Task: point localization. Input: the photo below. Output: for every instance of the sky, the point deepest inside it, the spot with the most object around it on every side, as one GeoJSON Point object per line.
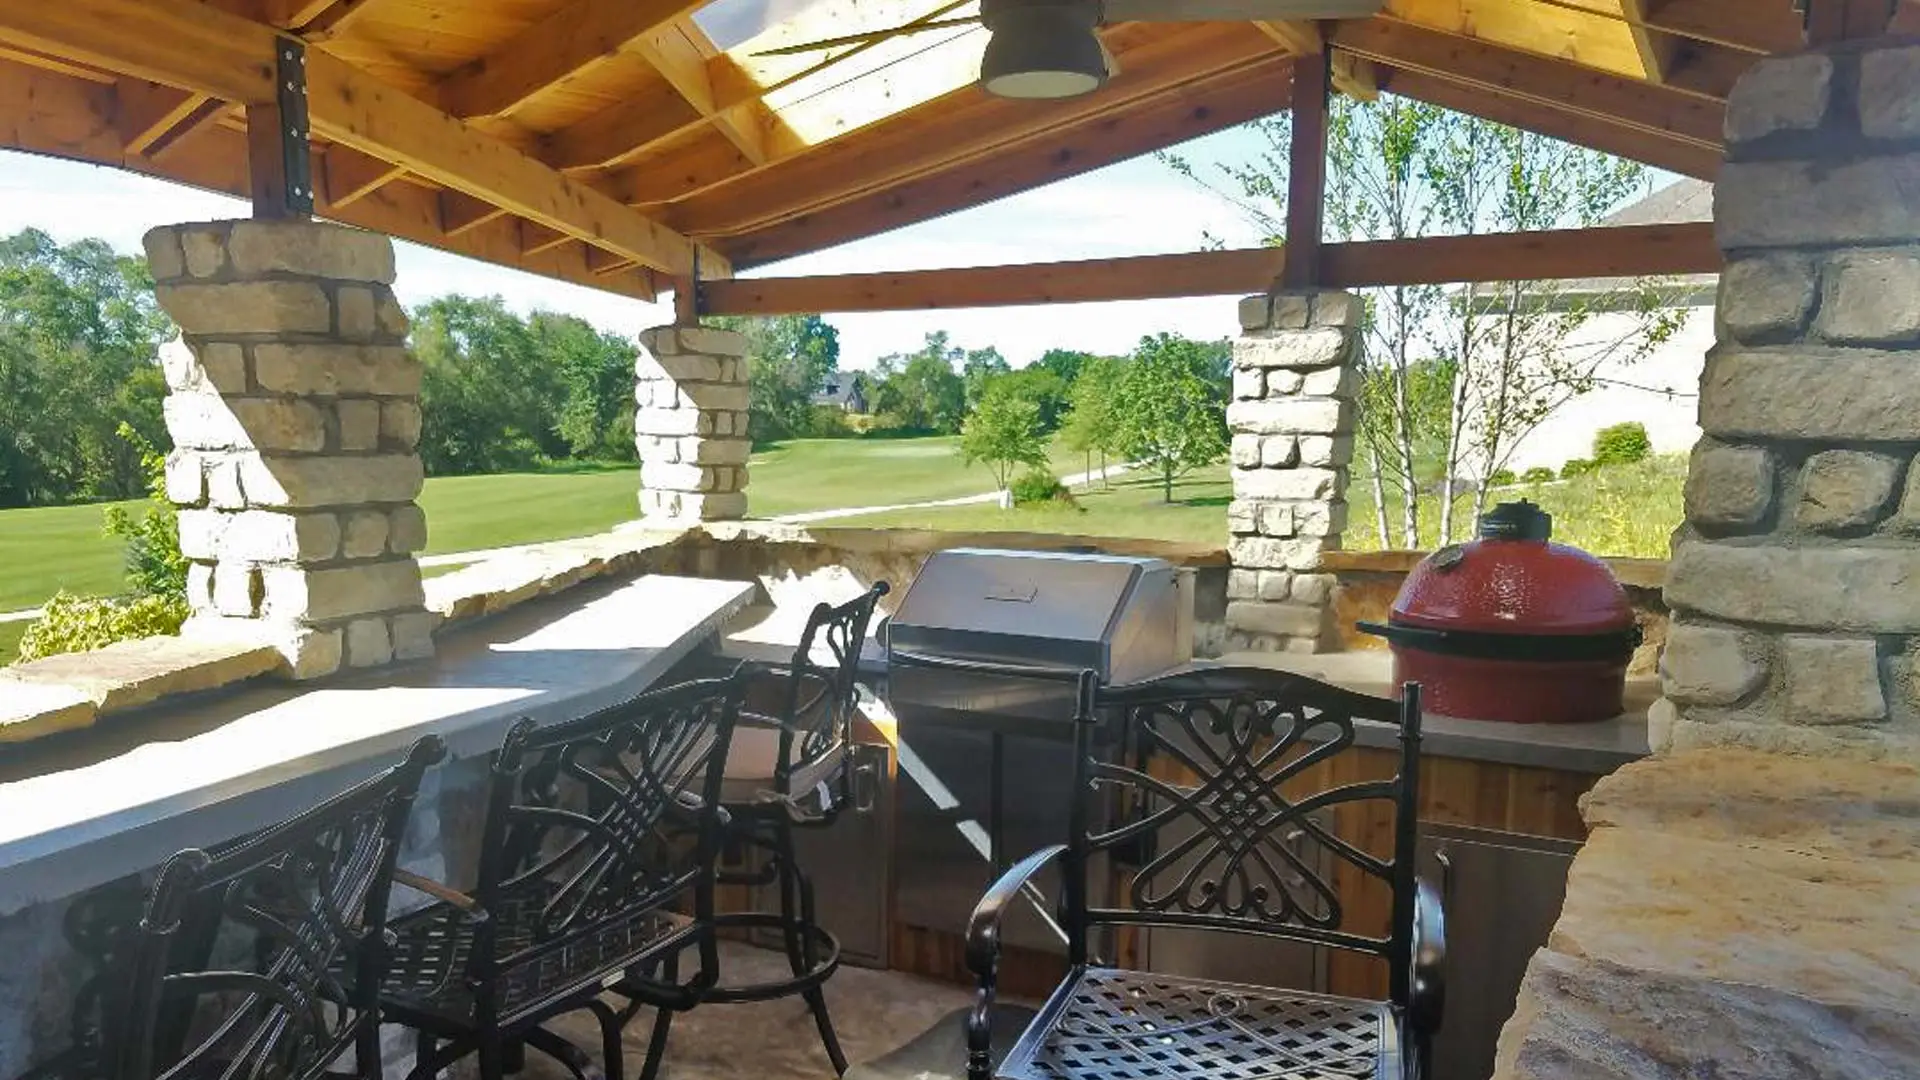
{"type": "Point", "coordinates": [1139, 207]}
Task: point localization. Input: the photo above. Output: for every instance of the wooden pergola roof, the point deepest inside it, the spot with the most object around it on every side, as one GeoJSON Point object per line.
{"type": "Point", "coordinates": [609, 142]}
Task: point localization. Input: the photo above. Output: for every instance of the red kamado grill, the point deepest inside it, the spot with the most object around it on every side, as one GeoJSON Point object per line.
{"type": "Point", "coordinates": [1513, 627]}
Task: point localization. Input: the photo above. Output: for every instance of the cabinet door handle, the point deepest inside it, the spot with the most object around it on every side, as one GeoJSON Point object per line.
{"type": "Point", "coordinates": [1445, 860]}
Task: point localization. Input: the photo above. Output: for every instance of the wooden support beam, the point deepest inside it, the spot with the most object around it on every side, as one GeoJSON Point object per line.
{"type": "Point", "coordinates": [1626, 251]}
{"type": "Point", "coordinates": [1666, 152]}
{"type": "Point", "coordinates": [1635, 251]}
{"type": "Point", "coordinates": [536, 239]}
{"type": "Point", "coordinates": [1301, 37]}
{"type": "Point", "coordinates": [1186, 111]}
{"type": "Point", "coordinates": [1656, 47]}
{"type": "Point", "coordinates": [1354, 76]}
{"type": "Point", "coordinates": [1762, 26]}
{"type": "Point", "coordinates": [1306, 173]}
{"type": "Point", "coordinates": [673, 52]}
{"type": "Point", "coordinates": [1830, 21]}
{"type": "Point", "coordinates": [198, 48]}
{"type": "Point", "coordinates": [1538, 79]}
{"type": "Point", "coordinates": [577, 36]}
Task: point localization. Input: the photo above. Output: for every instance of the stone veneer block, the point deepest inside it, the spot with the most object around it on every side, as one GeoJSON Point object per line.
{"type": "Point", "coordinates": [1711, 665]}
{"type": "Point", "coordinates": [32, 710]}
{"type": "Point", "coordinates": [1767, 298]}
{"type": "Point", "coordinates": [1890, 93]}
{"type": "Point", "coordinates": [1789, 93]}
{"type": "Point", "coordinates": [1841, 489]}
{"type": "Point", "coordinates": [1811, 393]}
{"type": "Point", "coordinates": [690, 427]}
{"type": "Point", "coordinates": [1869, 298]}
{"type": "Point", "coordinates": [1855, 589]}
{"type": "Point", "coordinates": [1762, 204]}
{"type": "Point", "coordinates": [1729, 486]}
{"type": "Point", "coordinates": [1832, 680]}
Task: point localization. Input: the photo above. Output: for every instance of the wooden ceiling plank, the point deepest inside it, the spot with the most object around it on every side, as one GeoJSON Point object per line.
{"type": "Point", "coordinates": [955, 128]}
{"type": "Point", "coordinates": [1539, 79]}
{"type": "Point", "coordinates": [654, 114]}
{"type": "Point", "coordinates": [1634, 144]}
{"type": "Point", "coordinates": [673, 52]}
{"type": "Point", "coordinates": [583, 33]}
{"type": "Point", "coordinates": [1204, 105]}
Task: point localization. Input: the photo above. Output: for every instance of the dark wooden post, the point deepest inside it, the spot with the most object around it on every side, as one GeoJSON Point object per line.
{"type": "Point", "coordinates": [1306, 172]}
{"type": "Point", "coordinates": [1829, 21]}
{"type": "Point", "coordinates": [279, 162]}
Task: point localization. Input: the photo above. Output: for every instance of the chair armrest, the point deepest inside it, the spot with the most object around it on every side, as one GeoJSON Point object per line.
{"type": "Point", "coordinates": [1429, 981]}
{"type": "Point", "coordinates": [983, 954]}
{"type": "Point", "coordinates": [983, 928]}
{"type": "Point", "coordinates": [441, 892]}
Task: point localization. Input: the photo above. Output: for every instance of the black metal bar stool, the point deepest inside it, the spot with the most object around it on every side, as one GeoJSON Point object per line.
{"type": "Point", "coordinates": [261, 958]}
{"type": "Point", "coordinates": [789, 771]}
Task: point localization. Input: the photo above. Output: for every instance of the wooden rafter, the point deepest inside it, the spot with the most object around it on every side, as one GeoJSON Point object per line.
{"type": "Point", "coordinates": [1635, 144]}
{"type": "Point", "coordinates": [964, 126]}
{"type": "Point", "coordinates": [147, 114]}
{"type": "Point", "coordinates": [73, 118]}
{"type": "Point", "coordinates": [1555, 83]}
{"type": "Point", "coordinates": [1178, 113]}
{"type": "Point", "coordinates": [1632, 251]}
{"type": "Point", "coordinates": [1656, 47]}
{"type": "Point", "coordinates": [197, 48]}
{"type": "Point", "coordinates": [348, 175]}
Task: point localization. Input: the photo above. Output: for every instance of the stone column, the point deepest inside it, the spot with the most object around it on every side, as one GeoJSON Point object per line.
{"type": "Point", "coordinates": [295, 415]}
{"type": "Point", "coordinates": [1795, 581]}
{"type": "Point", "coordinates": [1295, 375]}
{"type": "Point", "coordinates": [691, 426]}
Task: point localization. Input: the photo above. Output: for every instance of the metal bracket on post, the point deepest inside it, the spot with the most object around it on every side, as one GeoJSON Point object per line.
{"type": "Point", "coordinates": [699, 286]}
{"type": "Point", "coordinates": [290, 94]}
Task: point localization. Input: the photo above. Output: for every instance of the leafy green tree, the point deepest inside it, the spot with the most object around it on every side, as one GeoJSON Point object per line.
{"type": "Point", "coordinates": [1003, 432]}
{"type": "Point", "coordinates": [789, 358]}
{"type": "Point", "coordinates": [79, 330]}
{"type": "Point", "coordinates": [921, 391]}
{"type": "Point", "coordinates": [1168, 414]}
{"type": "Point", "coordinates": [1042, 387]}
{"type": "Point", "coordinates": [1065, 363]}
{"type": "Point", "coordinates": [1622, 444]}
{"type": "Point", "coordinates": [596, 378]}
{"type": "Point", "coordinates": [1091, 424]}
{"type": "Point", "coordinates": [978, 367]}
{"type": "Point", "coordinates": [490, 401]}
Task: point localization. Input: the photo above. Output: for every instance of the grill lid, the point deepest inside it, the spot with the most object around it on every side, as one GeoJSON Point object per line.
{"type": "Point", "coordinates": [1028, 594]}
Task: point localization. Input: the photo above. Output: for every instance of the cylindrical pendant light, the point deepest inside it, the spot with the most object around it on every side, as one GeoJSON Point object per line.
{"type": "Point", "coordinates": [1042, 50]}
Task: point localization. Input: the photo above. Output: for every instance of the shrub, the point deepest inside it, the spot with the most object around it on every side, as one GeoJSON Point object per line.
{"type": "Point", "coordinates": [1036, 486]}
{"type": "Point", "coordinates": [1501, 478]}
{"type": "Point", "coordinates": [1622, 444]}
{"type": "Point", "coordinates": [77, 623]}
{"type": "Point", "coordinates": [1539, 474]}
{"type": "Point", "coordinates": [1577, 467]}
{"type": "Point", "coordinates": [155, 566]}
{"type": "Point", "coordinates": [828, 422]}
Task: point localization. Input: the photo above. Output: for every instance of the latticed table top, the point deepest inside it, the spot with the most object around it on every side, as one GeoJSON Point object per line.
{"type": "Point", "coordinates": [1107, 1024]}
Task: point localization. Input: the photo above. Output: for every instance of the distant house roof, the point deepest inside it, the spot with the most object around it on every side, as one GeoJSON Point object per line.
{"type": "Point", "coordinates": [1679, 202]}
{"type": "Point", "coordinates": [844, 390]}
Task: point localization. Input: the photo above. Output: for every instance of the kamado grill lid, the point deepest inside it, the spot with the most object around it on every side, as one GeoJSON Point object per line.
{"type": "Point", "coordinates": [1515, 594]}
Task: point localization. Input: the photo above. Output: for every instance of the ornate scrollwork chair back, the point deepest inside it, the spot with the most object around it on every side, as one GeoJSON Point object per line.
{"type": "Point", "coordinates": [1213, 797]}
{"type": "Point", "coordinates": [598, 826]}
{"type": "Point", "coordinates": [263, 960]}
{"type": "Point", "coordinates": [817, 715]}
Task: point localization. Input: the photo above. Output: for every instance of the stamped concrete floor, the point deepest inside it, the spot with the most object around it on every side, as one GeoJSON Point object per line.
{"type": "Point", "coordinates": [873, 1011]}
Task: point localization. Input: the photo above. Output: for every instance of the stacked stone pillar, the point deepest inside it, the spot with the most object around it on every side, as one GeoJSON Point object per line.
{"type": "Point", "coordinates": [1295, 374]}
{"type": "Point", "coordinates": [294, 410]}
{"type": "Point", "coordinates": [1795, 581]}
{"type": "Point", "coordinates": [691, 424]}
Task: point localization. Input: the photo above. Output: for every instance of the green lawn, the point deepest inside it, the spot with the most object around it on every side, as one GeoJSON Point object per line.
{"type": "Point", "coordinates": [821, 474]}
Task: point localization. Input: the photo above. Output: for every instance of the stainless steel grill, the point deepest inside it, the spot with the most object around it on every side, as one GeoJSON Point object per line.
{"type": "Point", "coordinates": [984, 758]}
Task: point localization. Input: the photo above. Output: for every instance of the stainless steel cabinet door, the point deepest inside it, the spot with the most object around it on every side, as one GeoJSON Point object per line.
{"type": "Point", "coordinates": [1503, 892]}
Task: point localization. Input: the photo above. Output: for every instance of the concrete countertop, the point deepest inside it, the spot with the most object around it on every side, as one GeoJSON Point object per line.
{"type": "Point", "coordinates": [78, 811]}
{"type": "Point", "coordinates": [1585, 748]}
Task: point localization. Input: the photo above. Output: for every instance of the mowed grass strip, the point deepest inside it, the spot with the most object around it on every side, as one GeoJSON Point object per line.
{"type": "Point", "coordinates": [1131, 506]}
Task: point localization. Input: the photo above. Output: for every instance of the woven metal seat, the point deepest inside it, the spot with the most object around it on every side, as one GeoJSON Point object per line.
{"type": "Point", "coordinates": [1122, 1025]}
{"type": "Point", "coordinates": [1195, 787]}
{"type": "Point", "coordinates": [433, 949]}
